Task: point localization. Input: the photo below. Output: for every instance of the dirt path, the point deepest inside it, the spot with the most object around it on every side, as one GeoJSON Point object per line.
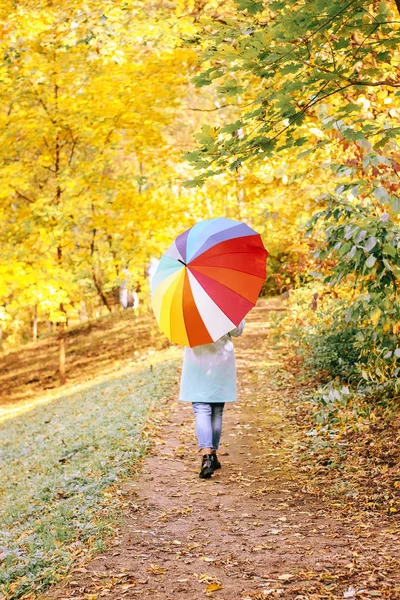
{"type": "Point", "coordinates": [256, 529]}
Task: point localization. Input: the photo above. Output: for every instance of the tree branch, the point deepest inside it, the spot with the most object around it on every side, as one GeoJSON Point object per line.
{"type": "Point", "coordinates": [41, 101]}
{"type": "Point", "coordinates": [20, 195]}
{"type": "Point", "coordinates": [387, 82]}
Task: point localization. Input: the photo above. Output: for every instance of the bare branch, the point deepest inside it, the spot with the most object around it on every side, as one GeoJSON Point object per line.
{"type": "Point", "coordinates": [20, 195]}
{"type": "Point", "coordinates": [365, 39]}
{"type": "Point", "coordinates": [43, 104]}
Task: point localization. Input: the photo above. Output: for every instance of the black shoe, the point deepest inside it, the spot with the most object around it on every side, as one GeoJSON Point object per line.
{"type": "Point", "coordinates": [215, 462]}
{"type": "Point", "coordinates": [206, 467]}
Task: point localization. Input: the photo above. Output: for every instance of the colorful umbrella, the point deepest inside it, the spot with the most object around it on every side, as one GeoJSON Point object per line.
{"type": "Point", "coordinates": [208, 280]}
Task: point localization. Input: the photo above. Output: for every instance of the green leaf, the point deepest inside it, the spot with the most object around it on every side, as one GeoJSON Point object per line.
{"type": "Point", "coordinates": [395, 204]}
{"type": "Point", "coordinates": [333, 76]}
{"type": "Point", "coordinates": [387, 264]}
{"type": "Point", "coordinates": [284, 103]}
{"type": "Point", "coordinates": [252, 6]}
{"type": "Point", "coordinates": [305, 153]}
{"type": "Point", "coordinates": [351, 107]}
{"type": "Point", "coordinates": [301, 141]}
{"type": "Point", "coordinates": [344, 249]}
{"type": "Point", "coordinates": [277, 5]}
{"type": "Point", "coordinates": [370, 244]}
{"type": "Point", "coordinates": [381, 194]}
{"type": "Point", "coordinates": [291, 68]}
{"type": "Point", "coordinates": [232, 127]}
{"type": "Point", "coordinates": [205, 135]}
{"type": "Point", "coordinates": [388, 249]}
{"type": "Point", "coordinates": [375, 315]}
{"type": "Point", "coordinates": [370, 261]}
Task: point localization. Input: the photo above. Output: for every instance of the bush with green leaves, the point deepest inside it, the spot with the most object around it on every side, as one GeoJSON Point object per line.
{"type": "Point", "coordinates": [334, 351]}
{"type": "Point", "coordinates": [362, 344]}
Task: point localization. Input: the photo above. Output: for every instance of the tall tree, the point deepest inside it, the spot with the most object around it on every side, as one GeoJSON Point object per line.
{"type": "Point", "coordinates": [88, 93]}
{"type": "Point", "coordinates": [289, 67]}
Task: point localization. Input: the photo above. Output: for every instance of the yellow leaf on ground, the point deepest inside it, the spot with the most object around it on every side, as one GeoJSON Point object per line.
{"type": "Point", "coordinates": [156, 570]}
{"type": "Point", "coordinates": [213, 587]}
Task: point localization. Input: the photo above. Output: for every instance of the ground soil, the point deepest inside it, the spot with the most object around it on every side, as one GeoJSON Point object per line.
{"type": "Point", "coordinates": [257, 529]}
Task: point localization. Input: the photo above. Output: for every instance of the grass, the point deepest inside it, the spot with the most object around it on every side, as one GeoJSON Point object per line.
{"type": "Point", "coordinates": [61, 464]}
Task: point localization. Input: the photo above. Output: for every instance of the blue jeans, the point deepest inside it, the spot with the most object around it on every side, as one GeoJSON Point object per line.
{"type": "Point", "coordinates": [208, 422]}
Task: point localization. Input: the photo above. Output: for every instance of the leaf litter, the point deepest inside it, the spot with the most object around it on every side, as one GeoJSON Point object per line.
{"type": "Point", "coordinates": [278, 537]}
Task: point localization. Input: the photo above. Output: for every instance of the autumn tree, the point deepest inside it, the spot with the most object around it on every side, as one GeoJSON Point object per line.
{"type": "Point", "coordinates": [87, 95]}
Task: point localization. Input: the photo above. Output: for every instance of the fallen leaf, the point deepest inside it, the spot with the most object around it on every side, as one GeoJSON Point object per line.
{"type": "Point", "coordinates": [213, 587]}
{"type": "Point", "coordinates": [208, 559]}
{"type": "Point", "coordinates": [127, 586]}
{"type": "Point", "coordinates": [286, 576]}
{"type": "Point", "coordinates": [156, 570]}
{"type": "Point", "coordinates": [350, 593]}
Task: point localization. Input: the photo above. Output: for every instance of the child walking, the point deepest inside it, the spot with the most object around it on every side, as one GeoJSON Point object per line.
{"type": "Point", "coordinates": [208, 382]}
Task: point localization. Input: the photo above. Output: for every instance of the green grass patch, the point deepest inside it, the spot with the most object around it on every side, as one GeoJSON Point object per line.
{"type": "Point", "coordinates": [57, 462]}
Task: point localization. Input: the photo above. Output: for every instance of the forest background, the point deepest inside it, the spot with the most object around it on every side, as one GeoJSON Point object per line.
{"type": "Point", "coordinates": [122, 124]}
{"type": "Point", "coordinates": [295, 117]}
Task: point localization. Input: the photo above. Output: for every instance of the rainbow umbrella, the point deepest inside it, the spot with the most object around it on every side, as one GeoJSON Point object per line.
{"type": "Point", "coordinates": [208, 280]}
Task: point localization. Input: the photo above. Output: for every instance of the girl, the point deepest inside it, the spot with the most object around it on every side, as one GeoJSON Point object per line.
{"type": "Point", "coordinates": [208, 381]}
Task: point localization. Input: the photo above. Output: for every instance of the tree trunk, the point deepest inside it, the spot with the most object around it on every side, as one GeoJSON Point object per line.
{"type": "Point", "coordinates": [398, 6]}
{"type": "Point", "coordinates": [35, 324]}
{"type": "Point", "coordinates": [82, 312]}
{"type": "Point", "coordinates": [96, 280]}
{"type": "Point", "coordinates": [114, 254]}
{"type": "Point", "coordinates": [62, 344]}
{"type": "Point", "coordinates": [61, 363]}
{"type": "Point", "coordinates": [100, 290]}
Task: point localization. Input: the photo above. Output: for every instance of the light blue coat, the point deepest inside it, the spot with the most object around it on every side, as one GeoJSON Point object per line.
{"type": "Point", "coordinates": [209, 371]}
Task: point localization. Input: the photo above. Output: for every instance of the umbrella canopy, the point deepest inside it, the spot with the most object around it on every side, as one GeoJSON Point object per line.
{"type": "Point", "coordinates": [208, 280]}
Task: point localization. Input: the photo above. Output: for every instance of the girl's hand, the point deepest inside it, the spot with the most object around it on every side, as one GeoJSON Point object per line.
{"type": "Point", "coordinates": [238, 330]}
